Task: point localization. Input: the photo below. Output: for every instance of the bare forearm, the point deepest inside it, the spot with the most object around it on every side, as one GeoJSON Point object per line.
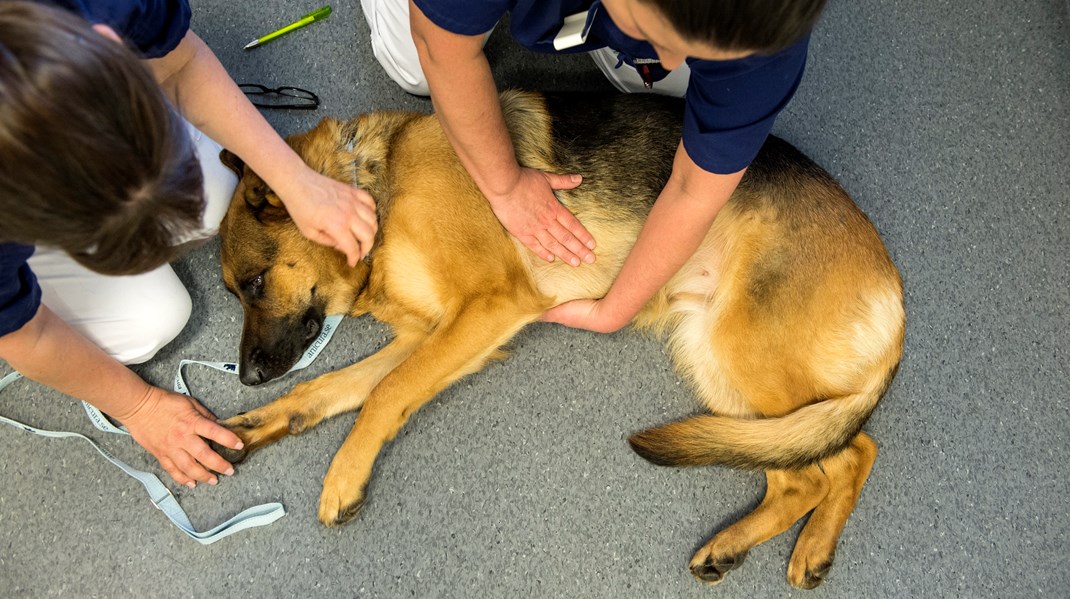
{"type": "Point", "coordinates": [326, 211]}
{"type": "Point", "coordinates": [200, 87]}
{"type": "Point", "coordinates": [49, 351]}
{"type": "Point", "coordinates": [467, 105]}
{"type": "Point", "coordinates": [466, 102]}
{"type": "Point", "coordinates": [670, 236]}
{"type": "Point", "coordinates": [676, 226]}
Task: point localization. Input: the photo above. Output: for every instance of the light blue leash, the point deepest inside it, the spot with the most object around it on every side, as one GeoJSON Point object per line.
{"type": "Point", "coordinates": [159, 494]}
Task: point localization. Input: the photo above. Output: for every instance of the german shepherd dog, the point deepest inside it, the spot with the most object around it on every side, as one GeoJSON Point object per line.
{"type": "Point", "coordinates": [788, 320]}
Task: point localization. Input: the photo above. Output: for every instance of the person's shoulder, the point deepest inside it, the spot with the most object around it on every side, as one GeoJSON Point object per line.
{"type": "Point", "coordinates": [14, 255]}
{"type": "Point", "coordinates": [464, 17]}
{"type": "Point", "coordinates": [153, 27]}
{"type": "Point", "coordinates": [20, 295]}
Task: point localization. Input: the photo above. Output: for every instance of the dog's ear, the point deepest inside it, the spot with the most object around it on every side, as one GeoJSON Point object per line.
{"type": "Point", "coordinates": [231, 161]}
{"type": "Point", "coordinates": [264, 203]}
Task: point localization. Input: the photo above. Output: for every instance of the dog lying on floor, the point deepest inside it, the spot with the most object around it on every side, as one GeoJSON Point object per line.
{"type": "Point", "coordinates": [788, 320]}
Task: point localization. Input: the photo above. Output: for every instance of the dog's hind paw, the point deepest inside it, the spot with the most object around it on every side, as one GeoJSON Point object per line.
{"type": "Point", "coordinates": [712, 570]}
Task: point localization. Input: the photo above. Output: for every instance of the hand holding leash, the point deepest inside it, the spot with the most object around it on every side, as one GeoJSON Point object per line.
{"type": "Point", "coordinates": [540, 222]}
{"type": "Point", "coordinates": [333, 214]}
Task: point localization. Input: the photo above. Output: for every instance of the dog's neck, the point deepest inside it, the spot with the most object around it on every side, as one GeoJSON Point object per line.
{"type": "Point", "coordinates": [368, 142]}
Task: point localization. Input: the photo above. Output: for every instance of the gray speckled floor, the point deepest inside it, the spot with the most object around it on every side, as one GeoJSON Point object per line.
{"type": "Point", "coordinates": [948, 121]}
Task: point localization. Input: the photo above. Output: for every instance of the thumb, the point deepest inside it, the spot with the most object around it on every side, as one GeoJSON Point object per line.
{"type": "Point", "coordinates": [563, 181]}
{"type": "Point", "coordinates": [556, 313]}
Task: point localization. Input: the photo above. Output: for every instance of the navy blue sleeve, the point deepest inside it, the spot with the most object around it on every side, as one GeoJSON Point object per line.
{"type": "Point", "coordinates": [20, 295]}
{"type": "Point", "coordinates": [464, 17]}
{"type": "Point", "coordinates": [731, 106]}
{"type": "Point", "coordinates": [152, 27]}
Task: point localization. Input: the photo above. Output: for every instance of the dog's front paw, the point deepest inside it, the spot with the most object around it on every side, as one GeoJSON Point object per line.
{"type": "Point", "coordinates": [339, 503]}
{"type": "Point", "coordinates": [234, 456]}
{"type": "Point", "coordinates": [245, 427]}
{"type": "Point", "coordinates": [808, 571]}
{"type": "Point", "coordinates": [711, 566]}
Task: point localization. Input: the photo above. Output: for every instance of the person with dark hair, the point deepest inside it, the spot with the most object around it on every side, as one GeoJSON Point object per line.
{"type": "Point", "coordinates": [736, 63]}
{"type": "Point", "coordinates": [110, 114]}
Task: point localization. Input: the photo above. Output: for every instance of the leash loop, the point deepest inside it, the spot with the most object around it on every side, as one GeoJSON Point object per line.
{"type": "Point", "coordinates": [160, 496]}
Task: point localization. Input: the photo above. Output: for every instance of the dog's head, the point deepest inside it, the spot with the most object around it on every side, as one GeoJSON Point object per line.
{"type": "Point", "coordinates": [286, 283]}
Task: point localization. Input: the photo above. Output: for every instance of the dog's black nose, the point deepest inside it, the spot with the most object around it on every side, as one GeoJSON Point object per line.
{"type": "Point", "coordinates": [252, 376]}
{"type": "Point", "coordinates": [252, 370]}
{"type": "Point", "coordinates": [313, 325]}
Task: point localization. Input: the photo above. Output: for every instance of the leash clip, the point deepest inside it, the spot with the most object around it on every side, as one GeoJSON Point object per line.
{"type": "Point", "coordinates": [158, 502]}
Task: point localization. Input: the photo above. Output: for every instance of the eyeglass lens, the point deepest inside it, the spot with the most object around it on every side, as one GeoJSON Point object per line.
{"type": "Point", "coordinates": [282, 97]}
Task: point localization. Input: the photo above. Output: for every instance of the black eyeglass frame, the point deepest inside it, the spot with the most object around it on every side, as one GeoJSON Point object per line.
{"type": "Point", "coordinates": [310, 101]}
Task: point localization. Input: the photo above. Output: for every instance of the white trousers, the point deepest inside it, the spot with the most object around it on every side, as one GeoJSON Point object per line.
{"type": "Point", "coordinates": [132, 317]}
{"type": "Point", "coordinates": [393, 47]}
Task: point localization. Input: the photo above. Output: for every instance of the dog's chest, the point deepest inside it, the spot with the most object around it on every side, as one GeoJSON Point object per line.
{"type": "Point", "coordinates": [405, 286]}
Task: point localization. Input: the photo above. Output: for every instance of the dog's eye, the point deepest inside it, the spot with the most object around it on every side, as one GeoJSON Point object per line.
{"type": "Point", "coordinates": [254, 286]}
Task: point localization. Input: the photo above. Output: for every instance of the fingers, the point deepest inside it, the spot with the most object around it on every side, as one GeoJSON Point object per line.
{"type": "Point", "coordinates": [537, 248]}
{"type": "Point", "coordinates": [565, 236]}
{"type": "Point", "coordinates": [353, 241]}
{"type": "Point", "coordinates": [348, 244]}
{"type": "Point", "coordinates": [367, 203]}
{"type": "Point", "coordinates": [177, 475]}
{"type": "Point", "coordinates": [191, 459]}
{"type": "Point", "coordinates": [218, 433]}
{"type": "Point", "coordinates": [561, 313]}
{"type": "Point", "coordinates": [194, 460]}
{"type": "Point", "coordinates": [531, 212]}
{"type": "Point", "coordinates": [186, 471]}
{"type": "Point", "coordinates": [206, 458]}
{"type": "Point", "coordinates": [590, 315]}
{"type": "Point", "coordinates": [551, 315]}
{"type": "Point", "coordinates": [549, 239]}
{"type": "Point", "coordinates": [174, 431]}
{"type": "Point", "coordinates": [336, 215]}
{"type": "Point", "coordinates": [354, 233]}
{"type": "Point", "coordinates": [561, 239]}
{"type": "Point", "coordinates": [563, 181]}
{"type": "Point", "coordinates": [579, 233]}
{"type": "Point", "coordinates": [193, 469]}
{"type": "Point", "coordinates": [366, 224]}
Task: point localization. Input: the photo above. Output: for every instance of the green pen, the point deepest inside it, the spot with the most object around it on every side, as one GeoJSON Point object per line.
{"type": "Point", "coordinates": [316, 15]}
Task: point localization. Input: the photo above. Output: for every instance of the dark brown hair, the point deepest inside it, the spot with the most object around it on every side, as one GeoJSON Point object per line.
{"type": "Point", "coordinates": [763, 26]}
{"type": "Point", "coordinates": [94, 159]}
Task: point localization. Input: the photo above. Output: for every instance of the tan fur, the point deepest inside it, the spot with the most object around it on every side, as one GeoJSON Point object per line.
{"type": "Point", "coordinates": [788, 320]}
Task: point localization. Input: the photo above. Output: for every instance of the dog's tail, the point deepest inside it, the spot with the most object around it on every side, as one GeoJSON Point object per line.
{"type": "Point", "coordinates": [794, 440]}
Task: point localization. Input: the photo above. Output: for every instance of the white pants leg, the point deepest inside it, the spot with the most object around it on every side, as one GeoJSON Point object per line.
{"type": "Point", "coordinates": [132, 317]}
{"type": "Point", "coordinates": [627, 79]}
{"type": "Point", "coordinates": [393, 47]}
{"type": "Point", "coordinates": [392, 43]}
